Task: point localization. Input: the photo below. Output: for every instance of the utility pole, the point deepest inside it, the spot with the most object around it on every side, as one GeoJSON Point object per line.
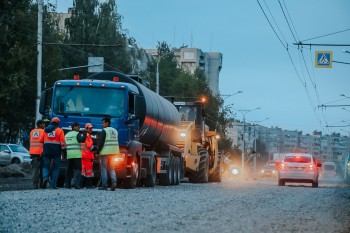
{"type": "Point", "coordinates": [39, 59]}
{"type": "Point", "coordinates": [244, 112]}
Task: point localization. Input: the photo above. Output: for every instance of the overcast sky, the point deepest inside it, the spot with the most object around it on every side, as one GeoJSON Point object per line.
{"type": "Point", "coordinates": [284, 83]}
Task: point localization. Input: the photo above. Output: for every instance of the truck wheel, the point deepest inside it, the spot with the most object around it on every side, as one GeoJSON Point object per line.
{"type": "Point", "coordinates": [217, 175]}
{"type": "Point", "coordinates": [201, 176]}
{"type": "Point", "coordinates": [150, 180]}
{"type": "Point", "coordinates": [130, 182]}
{"type": "Point", "coordinates": [281, 183]}
{"type": "Point", "coordinates": [167, 178]}
{"type": "Point", "coordinates": [177, 171]}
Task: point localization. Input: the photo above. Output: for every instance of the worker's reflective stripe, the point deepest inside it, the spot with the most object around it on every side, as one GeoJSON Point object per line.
{"type": "Point", "coordinates": [56, 143]}
{"type": "Point", "coordinates": [36, 144]}
{"type": "Point", "coordinates": [73, 147]}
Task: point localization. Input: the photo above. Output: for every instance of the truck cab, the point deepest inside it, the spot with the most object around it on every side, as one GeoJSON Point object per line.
{"type": "Point", "coordinates": [88, 101]}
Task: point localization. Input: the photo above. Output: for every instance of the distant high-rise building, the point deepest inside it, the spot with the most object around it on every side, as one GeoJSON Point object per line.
{"type": "Point", "coordinates": [190, 59]}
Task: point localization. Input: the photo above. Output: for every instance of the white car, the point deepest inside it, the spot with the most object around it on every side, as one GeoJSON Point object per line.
{"type": "Point", "coordinates": [329, 170]}
{"type": "Point", "coordinates": [13, 153]}
{"type": "Point", "coordinates": [298, 168]}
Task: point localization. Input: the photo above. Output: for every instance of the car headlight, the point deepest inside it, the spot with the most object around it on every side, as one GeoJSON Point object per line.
{"type": "Point", "coordinates": [234, 171]}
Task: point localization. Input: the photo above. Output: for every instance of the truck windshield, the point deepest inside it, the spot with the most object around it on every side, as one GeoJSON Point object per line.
{"type": "Point", "coordinates": [187, 113]}
{"type": "Point", "coordinates": [94, 101]}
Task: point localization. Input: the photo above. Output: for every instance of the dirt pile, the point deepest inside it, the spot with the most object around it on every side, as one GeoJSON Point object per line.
{"type": "Point", "coordinates": [16, 170]}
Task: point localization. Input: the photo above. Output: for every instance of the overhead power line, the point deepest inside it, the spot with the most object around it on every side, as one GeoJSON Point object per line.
{"type": "Point", "coordinates": [327, 35]}
{"type": "Point", "coordinates": [300, 43]}
{"type": "Point", "coordinates": [272, 26]}
{"type": "Point", "coordinates": [92, 45]}
{"type": "Point", "coordinates": [287, 21]}
{"type": "Point", "coordinates": [341, 62]}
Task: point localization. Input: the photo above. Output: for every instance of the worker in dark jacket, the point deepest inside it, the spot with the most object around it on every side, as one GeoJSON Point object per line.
{"type": "Point", "coordinates": [108, 147]}
{"type": "Point", "coordinates": [54, 144]}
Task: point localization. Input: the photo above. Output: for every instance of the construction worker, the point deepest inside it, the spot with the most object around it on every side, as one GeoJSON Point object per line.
{"type": "Point", "coordinates": [87, 149]}
{"type": "Point", "coordinates": [107, 147]}
{"type": "Point", "coordinates": [35, 151]}
{"type": "Point", "coordinates": [54, 144]}
{"type": "Point", "coordinates": [73, 157]}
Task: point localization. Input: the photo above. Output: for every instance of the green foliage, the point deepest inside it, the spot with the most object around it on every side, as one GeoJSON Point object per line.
{"type": "Point", "coordinates": [92, 24]}
{"type": "Point", "coordinates": [18, 61]}
{"type": "Point", "coordinates": [18, 68]}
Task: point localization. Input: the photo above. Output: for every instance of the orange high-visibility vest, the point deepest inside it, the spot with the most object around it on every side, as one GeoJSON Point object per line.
{"type": "Point", "coordinates": [36, 147]}
{"type": "Point", "coordinates": [86, 148]}
{"type": "Point", "coordinates": [55, 137]}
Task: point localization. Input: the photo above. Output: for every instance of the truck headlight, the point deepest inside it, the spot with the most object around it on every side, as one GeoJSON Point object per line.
{"type": "Point", "coordinates": [119, 157]}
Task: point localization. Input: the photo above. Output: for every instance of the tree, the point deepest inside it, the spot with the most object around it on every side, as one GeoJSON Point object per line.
{"type": "Point", "coordinates": [97, 28]}
{"type": "Point", "coordinates": [18, 65]}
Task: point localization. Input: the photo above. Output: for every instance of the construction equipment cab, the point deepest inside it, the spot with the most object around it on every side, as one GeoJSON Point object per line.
{"type": "Point", "coordinates": [203, 160]}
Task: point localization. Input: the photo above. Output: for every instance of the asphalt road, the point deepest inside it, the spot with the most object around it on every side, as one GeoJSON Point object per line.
{"type": "Point", "coordinates": [235, 205]}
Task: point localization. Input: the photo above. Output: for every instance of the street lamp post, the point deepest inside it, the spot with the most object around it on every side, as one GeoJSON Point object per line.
{"type": "Point", "coordinates": [39, 59]}
{"type": "Point", "coordinates": [244, 112]}
{"type": "Point", "coordinates": [255, 149]}
{"type": "Point", "coordinates": [158, 60]}
{"type": "Point", "coordinates": [226, 109]}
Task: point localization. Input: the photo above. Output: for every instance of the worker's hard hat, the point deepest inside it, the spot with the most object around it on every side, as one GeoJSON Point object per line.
{"type": "Point", "coordinates": [55, 120]}
{"type": "Point", "coordinates": [88, 125]}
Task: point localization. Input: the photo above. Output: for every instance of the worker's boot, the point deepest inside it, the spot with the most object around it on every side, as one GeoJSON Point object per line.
{"type": "Point", "coordinates": [88, 182]}
{"type": "Point", "coordinates": [113, 186]}
{"type": "Point", "coordinates": [76, 179]}
{"type": "Point", "coordinates": [83, 181]}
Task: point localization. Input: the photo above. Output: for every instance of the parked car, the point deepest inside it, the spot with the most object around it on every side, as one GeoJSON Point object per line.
{"type": "Point", "coordinates": [13, 153]}
{"type": "Point", "coordinates": [298, 168]}
{"type": "Point", "coordinates": [329, 170]}
{"type": "Point", "coordinates": [269, 169]}
{"type": "Point", "coordinates": [347, 168]}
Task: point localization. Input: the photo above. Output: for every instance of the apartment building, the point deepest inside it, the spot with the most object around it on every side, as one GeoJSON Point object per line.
{"type": "Point", "coordinates": [189, 59]}
{"type": "Point", "coordinates": [333, 147]}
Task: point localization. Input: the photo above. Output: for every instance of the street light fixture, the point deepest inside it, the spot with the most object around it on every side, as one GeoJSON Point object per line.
{"type": "Point", "coordinates": [257, 122]}
{"type": "Point", "coordinates": [342, 95]}
{"type": "Point", "coordinates": [227, 96]}
{"type": "Point", "coordinates": [345, 109]}
{"type": "Point", "coordinates": [159, 59]}
{"type": "Point", "coordinates": [244, 112]}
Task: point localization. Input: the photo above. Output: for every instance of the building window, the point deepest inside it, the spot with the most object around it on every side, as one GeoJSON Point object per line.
{"type": "Point", "coordinates": [188, 55]}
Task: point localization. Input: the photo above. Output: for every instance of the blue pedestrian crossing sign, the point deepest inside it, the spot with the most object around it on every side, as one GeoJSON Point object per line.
{"type": "Point", "coordinates": [323, 59]}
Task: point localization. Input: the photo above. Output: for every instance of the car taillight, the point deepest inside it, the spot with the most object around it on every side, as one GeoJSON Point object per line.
{"type": "Point", "coordinates": [312, 167]}
{"type": "Point", "coordinates": [282, 166]}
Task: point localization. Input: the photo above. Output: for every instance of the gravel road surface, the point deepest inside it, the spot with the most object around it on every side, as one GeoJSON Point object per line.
{"type": "Point", "coordinates": [231, 206]}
